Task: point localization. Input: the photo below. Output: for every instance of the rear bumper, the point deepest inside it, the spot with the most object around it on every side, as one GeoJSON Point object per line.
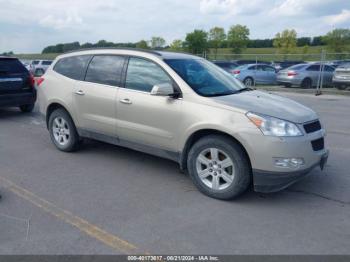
{"type": "Point", "coordinates": [269, 182]}
{"type": "Point", "coordinates": [18, 99]}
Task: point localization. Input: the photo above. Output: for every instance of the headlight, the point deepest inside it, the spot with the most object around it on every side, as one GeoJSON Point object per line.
{"type": "Point", "coordinates": [271, 126]}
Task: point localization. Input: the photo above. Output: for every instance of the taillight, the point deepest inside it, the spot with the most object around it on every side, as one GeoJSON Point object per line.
{"type": "Point", "coordinates": [39, 81]}
{"type": "Point", "coordinates": [291, 73]}
{"type": "Point", "coordinates": [236, 72]}
{"type": "Point", "coordinates": [31, 80]}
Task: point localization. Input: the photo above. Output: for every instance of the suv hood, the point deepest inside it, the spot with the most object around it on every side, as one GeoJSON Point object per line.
{"type": "Point", "coordinates": [269, 104]}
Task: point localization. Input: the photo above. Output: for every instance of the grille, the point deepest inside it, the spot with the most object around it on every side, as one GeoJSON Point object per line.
{"type": "Point", "coordinates": [312, 127]}
{"type": "Point", "coordinates": [318, 144]}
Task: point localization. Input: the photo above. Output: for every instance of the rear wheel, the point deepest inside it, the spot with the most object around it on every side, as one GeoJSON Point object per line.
{"type": "Point", "coordinates": [219, 167]}
{"type": "Point", "coordinates": [27, 108]}
{"type": "Point", "coordinates": [287, 85]}
{"type": "Point", "coordinates": [62, 131]}
{"type": "Point", "coordinates": [248, 82]}
{"type": "Point", "coordinates": [307, 83]}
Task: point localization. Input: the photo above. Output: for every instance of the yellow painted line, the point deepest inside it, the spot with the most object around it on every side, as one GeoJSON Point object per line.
{"type": "Point", "coordinates": [93, 231]}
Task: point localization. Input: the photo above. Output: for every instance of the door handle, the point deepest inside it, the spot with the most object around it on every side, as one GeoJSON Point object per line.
{"type": "Point", "coordinates": [126, 101]}
{"type": "Point", "coordinates": [80, 93]}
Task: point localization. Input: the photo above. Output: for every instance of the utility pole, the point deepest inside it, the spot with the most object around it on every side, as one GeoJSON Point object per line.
{"type": "Point", "coordinates": [320, 75]}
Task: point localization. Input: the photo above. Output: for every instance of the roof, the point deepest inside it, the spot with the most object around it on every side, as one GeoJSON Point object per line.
{"type": "Point", "coordinates": [162, 54]}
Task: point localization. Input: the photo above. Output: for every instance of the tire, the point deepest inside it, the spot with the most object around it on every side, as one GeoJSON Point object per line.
{"type": "Point", "coordinates": [63, 132]}
{"type": "Point", "coordinates": [248, 82]}
{"type": "Point", "coordinates": [239, 172]}
{"type": "Point", "coordinates": [27, 108]}
{"type": "Point", "coordinates": [306, 83]}
{"type": "Point", "coordinates": [287, 85]}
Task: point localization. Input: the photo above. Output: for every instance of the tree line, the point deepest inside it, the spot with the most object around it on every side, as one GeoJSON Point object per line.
{"type": "Point", "coordinates": [236, 38]}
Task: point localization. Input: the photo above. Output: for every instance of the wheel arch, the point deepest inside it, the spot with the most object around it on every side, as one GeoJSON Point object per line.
{"type": "Point", "coordinates": [195, 136]}
{"type": "Point", "coordinates": [52, 107]}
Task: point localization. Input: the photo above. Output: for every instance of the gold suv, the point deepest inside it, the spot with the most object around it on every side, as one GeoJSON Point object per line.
{"type": "Point", "coordinates": [186, 109]}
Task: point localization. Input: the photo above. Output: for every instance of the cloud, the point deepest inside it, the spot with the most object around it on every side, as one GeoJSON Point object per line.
{"type": "Point", "coordinates": [230, 7]}
{"type": "Point", "coordinates": [341, 18]}
{"type": "Point", "coordinates": [58, 23]}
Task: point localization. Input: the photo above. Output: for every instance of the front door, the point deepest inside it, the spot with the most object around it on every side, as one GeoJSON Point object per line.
{"type": "Point", "coordinates": [141, 117]}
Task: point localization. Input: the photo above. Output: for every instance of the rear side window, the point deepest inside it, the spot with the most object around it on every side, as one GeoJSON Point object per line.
{"type": "Point", "coordinates": [73, 67]}
{"type": "Point", "coordinates": [46, 63]}
{"type": "Point", "coordinates": [142, 75]}
{"type": "Point", "coordinates": [11, 66]}
{"type": "Point", "coordinates": [105, 69]}
{"type": "Point", "coordinates": [313, 68]}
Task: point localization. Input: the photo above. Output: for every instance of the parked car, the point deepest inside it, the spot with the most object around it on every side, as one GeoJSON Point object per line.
{"type": "Point", "coordinates": [280, 65]}
{"type": "Point", "coordinates": [40, 66]}
{"type": "Point", "coordinates": [28, 64]}
{"type": "Point", "coordinates": [186, 109]}
{"type": "Point", "coordinates": [305, 75]}
{"type": "Point", "coordinates": [16, 85]}
{"type": "Point", "coordinates": [341, 76]}
{"type": "Point", "coordinates": [226, 65]}
{"type": "Point", "coordinates": [255, 74]}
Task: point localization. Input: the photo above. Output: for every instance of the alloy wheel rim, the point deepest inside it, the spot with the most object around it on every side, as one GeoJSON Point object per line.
{"type": "Point", "coordinates": [61, 131]}
{"type": "Point", "coordinates": [248, 82]}
{"type": "Point", "coordinates": [215, 168]}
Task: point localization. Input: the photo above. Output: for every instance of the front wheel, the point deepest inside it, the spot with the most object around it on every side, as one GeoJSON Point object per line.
{"type": "Point", "coordinates": [219, 167]}
{"type": "Point", "coordinates": [62, 131]}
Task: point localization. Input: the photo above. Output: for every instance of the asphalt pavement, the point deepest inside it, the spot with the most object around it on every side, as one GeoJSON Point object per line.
{"type": "Point", "coordinates": [106, 199]}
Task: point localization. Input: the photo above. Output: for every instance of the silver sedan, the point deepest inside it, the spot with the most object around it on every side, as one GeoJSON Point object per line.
{"type": "Point", "coordinates": [305, 75]}
{"type": "Point", "coordinates": [255, 74]}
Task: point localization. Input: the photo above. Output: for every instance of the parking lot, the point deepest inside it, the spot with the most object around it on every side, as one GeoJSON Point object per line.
{"type": "Point", "coordinates": [105, 199]}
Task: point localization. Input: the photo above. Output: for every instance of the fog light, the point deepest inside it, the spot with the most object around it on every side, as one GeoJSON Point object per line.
{"type": "Point", "coordinates": [289, 162]}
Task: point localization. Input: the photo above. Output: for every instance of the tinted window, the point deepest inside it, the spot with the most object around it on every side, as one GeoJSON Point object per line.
{"type": "Point", "coordinates": [205, 78]}
{"type": "Point", "coordinates": [36, 62]}
{"type": "Point", "coordinates": [46, 63]}
{"type": "Point", "coordinates": [269, 69]}
{"type": "Point", "coordinates": [11, 66]}
{"type": "Point", "coordinates": [105, 69]}
{"type": "Point", "coordinates": [73, 67]}
{"type": "Point", "coordinates": [313, 68]}
{"type": "Point", "coordinates": [329, 68]}
{"type": "Point", "coordinates": [142, 75]}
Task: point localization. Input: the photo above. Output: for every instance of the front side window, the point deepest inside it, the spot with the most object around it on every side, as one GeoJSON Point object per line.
{"type": "Point", "coordinates": [143, 74]}
{"type": "Point", "coordinates": [105, 69]}
{"type": "Point", "coordinates": [73, 67]}
{"type": "Point", "coordinates": [205, 78]}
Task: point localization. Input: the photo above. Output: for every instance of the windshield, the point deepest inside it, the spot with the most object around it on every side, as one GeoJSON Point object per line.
{"type": "Point", "coordinates": [205, 78]}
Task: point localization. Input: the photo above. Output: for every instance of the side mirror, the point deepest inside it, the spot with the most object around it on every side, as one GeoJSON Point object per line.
{"type": "Point", "coordinates": [165, 89]}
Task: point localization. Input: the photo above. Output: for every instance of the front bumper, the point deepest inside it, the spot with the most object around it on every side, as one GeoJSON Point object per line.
{"type": "Point", "coordinates": [269, 181]}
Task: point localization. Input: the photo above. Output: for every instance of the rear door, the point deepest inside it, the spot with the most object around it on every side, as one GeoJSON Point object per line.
{"type": "Point", "coordinates": [95, 97]}
{"type": "Point", "coordinates": [14, 77]}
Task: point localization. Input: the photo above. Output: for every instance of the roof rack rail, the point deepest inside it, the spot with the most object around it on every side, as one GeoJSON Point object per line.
{"type": "Point", "coordinates": [114, 48]}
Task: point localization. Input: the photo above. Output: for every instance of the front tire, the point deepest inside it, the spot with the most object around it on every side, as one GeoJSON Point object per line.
{"type": "Point", "coordinates": [62, 130]}
{"type": "Point", "coordinates": [27, 108]}
{"type": "Point", "coordinates": [219, 167]}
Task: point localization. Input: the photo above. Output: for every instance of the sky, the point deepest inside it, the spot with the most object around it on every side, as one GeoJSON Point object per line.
{"type": "Point", "coordinates": [28, 26]}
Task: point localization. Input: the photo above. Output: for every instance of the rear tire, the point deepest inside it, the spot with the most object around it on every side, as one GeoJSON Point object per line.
{"type": "Point", "coordinates": [287, 85]}
{"type": "Point", "coordinates": [248, 82]}
{"type": "Point", "coordinates": [27, 108]}
{"type": "Point", "coordinates": [63, 132]}
{"type": "Point", "coordinates": [219, 167]}
{"type": "Point", "coordinates": [306, 83]}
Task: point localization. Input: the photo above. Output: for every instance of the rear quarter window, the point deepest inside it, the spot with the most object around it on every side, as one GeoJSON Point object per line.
{"type": "Point", "coordinates": [11, 66]}
{"type": "Point", "coordinates": [73, 67]}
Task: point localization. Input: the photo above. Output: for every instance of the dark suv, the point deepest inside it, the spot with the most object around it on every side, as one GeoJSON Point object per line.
{"type": "Point", "coordinates": [17, 85]}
